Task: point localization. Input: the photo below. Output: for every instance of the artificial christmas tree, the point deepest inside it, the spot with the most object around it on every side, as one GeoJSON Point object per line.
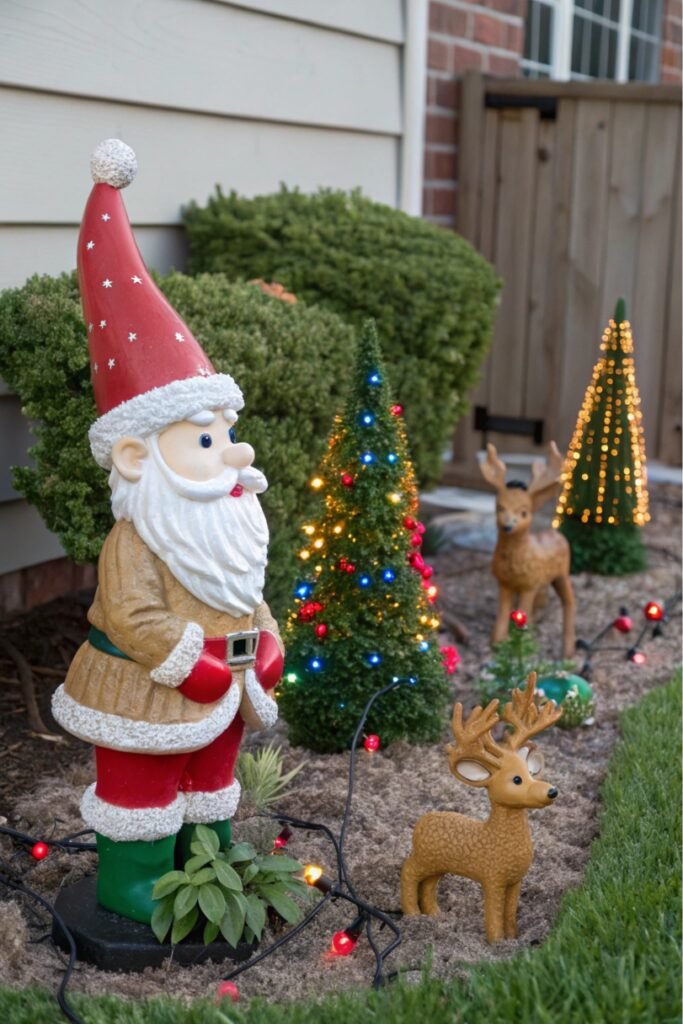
{"type": "Point", "coordinates": [363, 614]}
{"type": "Point", "coordinates": [604, 500]}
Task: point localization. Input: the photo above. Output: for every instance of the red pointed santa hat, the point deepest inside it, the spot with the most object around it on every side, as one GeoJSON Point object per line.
{"type": "Point", "coordinates": [148, 371]}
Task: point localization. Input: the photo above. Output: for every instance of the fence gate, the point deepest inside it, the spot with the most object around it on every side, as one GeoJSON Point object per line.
{"type": "Point", "coordinates": [572, 190]}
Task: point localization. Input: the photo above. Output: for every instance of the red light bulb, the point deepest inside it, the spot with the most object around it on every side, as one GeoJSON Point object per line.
{"type": "Point", "coordinates": [623, 624]}
{"type": "Point", "coordinates": [409, 523]}
{"type": "Point", "coordinates": [349, 567]}
{"type": "Point", "coordinates": [347, 480]}
{"type": "Point", "coordinates": [653, 611]}
{"type": "Point", "coordinates": [519, 618]}
{"type": "Point", "coordinates": [321, 630]}
{"type": "Point", "coordinates": [40, 851]}
{"type": "Point", "coordinates": [279, 842]}
{"type": "Point", "coordinates": [396, 410]}
{"type": "Point", "coordinates": [343, 944]}
{"type": "Point", "coordinates": [636, 656]}
{"type": "Point", "coordinates": [227, 989]}
{"type": "Point", "coordinates": [371, 743]}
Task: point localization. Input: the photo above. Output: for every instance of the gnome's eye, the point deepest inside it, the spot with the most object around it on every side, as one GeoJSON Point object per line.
{"type": "Point", "coordinates": [206, 440]}
{"type": "Point", "coordinates": [232, 435]}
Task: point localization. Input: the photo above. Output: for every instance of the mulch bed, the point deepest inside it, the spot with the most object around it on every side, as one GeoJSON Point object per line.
{"type": "Point", "coordinates": [41, 782]}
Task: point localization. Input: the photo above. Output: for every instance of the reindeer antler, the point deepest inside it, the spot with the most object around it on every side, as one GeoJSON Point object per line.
{"type": "Point", "coordinates": [473, 737]}
{"type": "Point", "coordinates": [523, 714]}
{"type": "Point", "coordinates": [546, 474]}
{"type": "Point", "coordinates": [492, 469]}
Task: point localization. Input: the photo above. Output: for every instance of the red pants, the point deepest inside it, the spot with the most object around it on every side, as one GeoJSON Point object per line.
{"type": "Point", "coordinates": [154, 780]}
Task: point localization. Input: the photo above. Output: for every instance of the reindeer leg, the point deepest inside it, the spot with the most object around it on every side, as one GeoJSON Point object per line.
{"type": "Point", "coordinates": [526, 603]}
{"type": "Point", "coordinates": [427, 895]}
{"type": "Point", "coordinates": [510, 913]}
{"type": "Point", "coordinates": [565, 592]}
{"type": "Point", "coordinates": [494, 911]}
{"type": "Point", "coordinates": [500, 630]}
{"type": "Point", "coordinates": [410, 880]}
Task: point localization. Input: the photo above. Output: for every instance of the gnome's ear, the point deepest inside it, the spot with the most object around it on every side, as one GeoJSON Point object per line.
{"type": "Point", "coordinates": [127, 454]}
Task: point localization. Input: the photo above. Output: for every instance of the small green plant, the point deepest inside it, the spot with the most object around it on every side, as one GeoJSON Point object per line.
{"type": "Point", "coordinates": [261, 776]}
{"type": "Point", "coordinates": [513, 659]}
{"type": "Point", "coordinates": [229, 891]}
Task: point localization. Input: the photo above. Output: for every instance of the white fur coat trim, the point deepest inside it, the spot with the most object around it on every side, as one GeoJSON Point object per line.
{"type": "Point", "coordinates": [160, 407]}
{"type": "Point", "coordinates": [204, 808]}
{"type": "Point", "coordinates": [126, 824]}
{"type": "Point", "coordinates": [264, 706]}
{"type": "Point", "coordinates": [118, 733]}
{"type": "Point", "coordinates": [182, 658]}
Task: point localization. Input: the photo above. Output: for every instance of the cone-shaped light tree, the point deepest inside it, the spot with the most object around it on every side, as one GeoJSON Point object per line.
{"type": "Point", "coordinates": [363, 612]}
{"type": "Point", "coordinates": [604, 502]}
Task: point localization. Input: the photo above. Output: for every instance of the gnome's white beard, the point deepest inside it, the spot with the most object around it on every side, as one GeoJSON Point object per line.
{"type": "Point", "coordinates": [215, 545]}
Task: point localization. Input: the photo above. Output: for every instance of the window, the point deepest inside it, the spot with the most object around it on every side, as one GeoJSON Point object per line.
{"type": "Point", "coordinates": [583, 39]}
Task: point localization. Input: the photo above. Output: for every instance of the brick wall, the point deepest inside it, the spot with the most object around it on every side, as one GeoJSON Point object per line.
{"type": "Point", "coordinates": [671, 42]}
{"type": "Point", "coordinates": [487, 36]}
{"type": "Point", "coordinates": [27, 588]}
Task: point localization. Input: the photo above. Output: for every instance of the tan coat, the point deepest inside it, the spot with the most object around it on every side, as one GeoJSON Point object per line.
{"type": "Point", "coordinates": [159, 625]}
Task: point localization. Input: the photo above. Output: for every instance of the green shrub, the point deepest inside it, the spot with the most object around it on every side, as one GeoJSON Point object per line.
{"type": "Point", "coordinates": [431, 295]}
{"type": "Point", "coordinates": [289, 359]}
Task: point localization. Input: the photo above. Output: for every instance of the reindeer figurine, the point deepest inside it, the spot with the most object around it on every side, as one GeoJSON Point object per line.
{"type": "Point", "coordinates": [524, 563]}
{"type": "Point", "coordinates": [498, 852]}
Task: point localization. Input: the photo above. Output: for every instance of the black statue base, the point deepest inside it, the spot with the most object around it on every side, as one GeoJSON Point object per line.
{"type": "Point", "coordinates": [114, 943]}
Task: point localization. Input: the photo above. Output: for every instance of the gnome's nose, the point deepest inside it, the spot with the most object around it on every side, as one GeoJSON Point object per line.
{"type": "Point", "coordinates": [238, 456]}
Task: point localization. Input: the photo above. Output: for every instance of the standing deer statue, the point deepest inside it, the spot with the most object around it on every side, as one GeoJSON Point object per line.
{"type": "Point", "coordinates": [498, 852]}
{"type": "Point", "coordinates": [524, 563]}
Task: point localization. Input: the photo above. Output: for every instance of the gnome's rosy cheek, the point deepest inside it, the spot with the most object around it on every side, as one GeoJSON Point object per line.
{"type": "Point", "coordinates": [195, 450]}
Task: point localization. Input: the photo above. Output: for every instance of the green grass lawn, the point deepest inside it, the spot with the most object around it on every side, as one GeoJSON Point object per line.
{"type": "Point", "coordinates": [613, 955]}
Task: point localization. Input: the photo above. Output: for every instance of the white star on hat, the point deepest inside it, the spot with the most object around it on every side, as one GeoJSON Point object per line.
{"type": "Point", "coordinates": [107, 283]}
{"type": "Point", "coordinates": [136, 280]}
{"type": "Point", "coordinates": [105, 216]}
{"type": "Point", "coordinates": [103, 323]}
{"type": "Point", "coordinates": [90, 245]}
{"type": "Point", "coordinates": [111, 364]}
{"type": "Point", "coordinates": [132, 336]}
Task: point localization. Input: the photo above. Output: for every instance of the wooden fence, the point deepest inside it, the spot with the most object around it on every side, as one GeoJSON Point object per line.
{"type": "Point", "coordinates": [572, 190]}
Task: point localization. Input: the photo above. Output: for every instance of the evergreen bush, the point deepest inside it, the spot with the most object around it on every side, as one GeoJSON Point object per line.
{"type": "Point", "coordinates": [290, 361]}
{"type": "Point", "coordinates": [431, 295]}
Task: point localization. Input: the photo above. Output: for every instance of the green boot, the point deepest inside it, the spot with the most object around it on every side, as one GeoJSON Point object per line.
{"type": "Point", "coordinates": [127, 873]}
{"type": "Point", "coordinates": [184, 839]}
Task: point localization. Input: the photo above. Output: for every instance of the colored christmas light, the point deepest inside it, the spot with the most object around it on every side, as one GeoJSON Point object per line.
{"type": "Point", "coordinates": [636, 656]}
{"type": "Point", "coordinates": [367, 458]}
{"type": "Point", "coordinates": [343, 944]}
{"type": "Point", "coordinates": [39, 851]}
{"type": "Point", "coordinates": [227, 990]}
{"type": "Point", "coordinates": [423, 645]}
{"type": "Point", "coordinates": [303, 590]}
{"type": "Point", "coordinates": [392, 458]}
{"type": "Point", "coordinates": [374, 659]}
{"type": "Point", "coordinates": [367, 419]}
{"type": "Point", "coordinates": [364, 581]}
{"type": "Point", "coordinates": [292, 677]}
{"type": "Point", "coordinates": [395, 498]}
{"type": "Point", "coordinates": [317, 483]}
{"type": "Point", "coordinates": [450, 658]}
{"type": "Point", "coordinates": [347, 481]}
{"type": "Point", "coordinates": [427, 572]}
{"type": "Point", "coordinates": [313, 876]}
{"type": "Point", "coordinates": [519, 618]}
{"type": "Point", "coordinates": [388, 575]}
{"type": "Point", "coordinates": [371, 743]}
{"type": "Point", "coordinates": [409, 522]}
{"type": "Point", "coordinates": [396, 410]}
{"type": "Point", "coordinates": [653, 611]}
{"type": "Point", "coordinates": [321, 630]}
{"type": "Point", "coordinates": [281, 840]}
{"type": "Point", "coordinates": [374, 378]}
{"type": "Point", "coordinates": [623, 623]}
{"type": "Point", "coordinates": [316, 664]}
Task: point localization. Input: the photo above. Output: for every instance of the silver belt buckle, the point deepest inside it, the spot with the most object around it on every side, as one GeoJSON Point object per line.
{"type": "Point", "coordinates": [241, 648]}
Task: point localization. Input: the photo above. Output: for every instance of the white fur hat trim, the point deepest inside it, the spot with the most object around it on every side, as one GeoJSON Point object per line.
{"type": "Point", "coordinates": [203, 808]}
{"type": "Point", "coordinates": [126, 824]}
{"type": "Point", "coordinates": [263, 705]}
{"type": "Point", "coordinates": [118, 733]}
{"type": "Point", "coordinates": [157, 408]}
{"type": "Point", "coordinates": [113, 163]}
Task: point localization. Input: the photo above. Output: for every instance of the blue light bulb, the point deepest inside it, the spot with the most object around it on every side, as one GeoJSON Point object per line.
{"type": "Point", "coordinates": [367, 419]}
{"type": "Point", "coordinates": [367, 458]}
{"type": "Point", "coordinates": [423, 645]}
{"type": "Point", "coordinates": [392, 457]}
{"type": "Point", "coordinates": [374, 378]}
{"type": "Point", "coordinates": [374, 658]}
{"type": "Point", "coordinates": [303, 590]}
{"type": "Point", "coordinates": [316, 664]}
{"type": "Point", "coordinates": [364, 581]}
{"type": "Point", "coordinates": [388, 575]}
{"type": "Point", "coordinates": [412, 680]}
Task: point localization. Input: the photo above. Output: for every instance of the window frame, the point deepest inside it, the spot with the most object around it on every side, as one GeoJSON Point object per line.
{"type": "Point", "coordinates": [560, 65]}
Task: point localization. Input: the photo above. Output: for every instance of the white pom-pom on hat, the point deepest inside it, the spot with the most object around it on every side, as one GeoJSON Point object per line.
{"type": "Point", "coordinates": [113, 163]}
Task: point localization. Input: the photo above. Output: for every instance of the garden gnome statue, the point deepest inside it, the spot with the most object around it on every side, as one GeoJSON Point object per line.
{"type": "Point", "coordinates": [182, 649]}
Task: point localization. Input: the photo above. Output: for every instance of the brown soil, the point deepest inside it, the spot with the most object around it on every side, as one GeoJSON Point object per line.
{"type": "Point", "coordinates": [41, 782]}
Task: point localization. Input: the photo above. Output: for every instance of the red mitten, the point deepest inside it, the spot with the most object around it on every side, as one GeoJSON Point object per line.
{"type": "Point", "coordinates": [209, 680]}
{"type": "Point", "coordinates": [269, 661]}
